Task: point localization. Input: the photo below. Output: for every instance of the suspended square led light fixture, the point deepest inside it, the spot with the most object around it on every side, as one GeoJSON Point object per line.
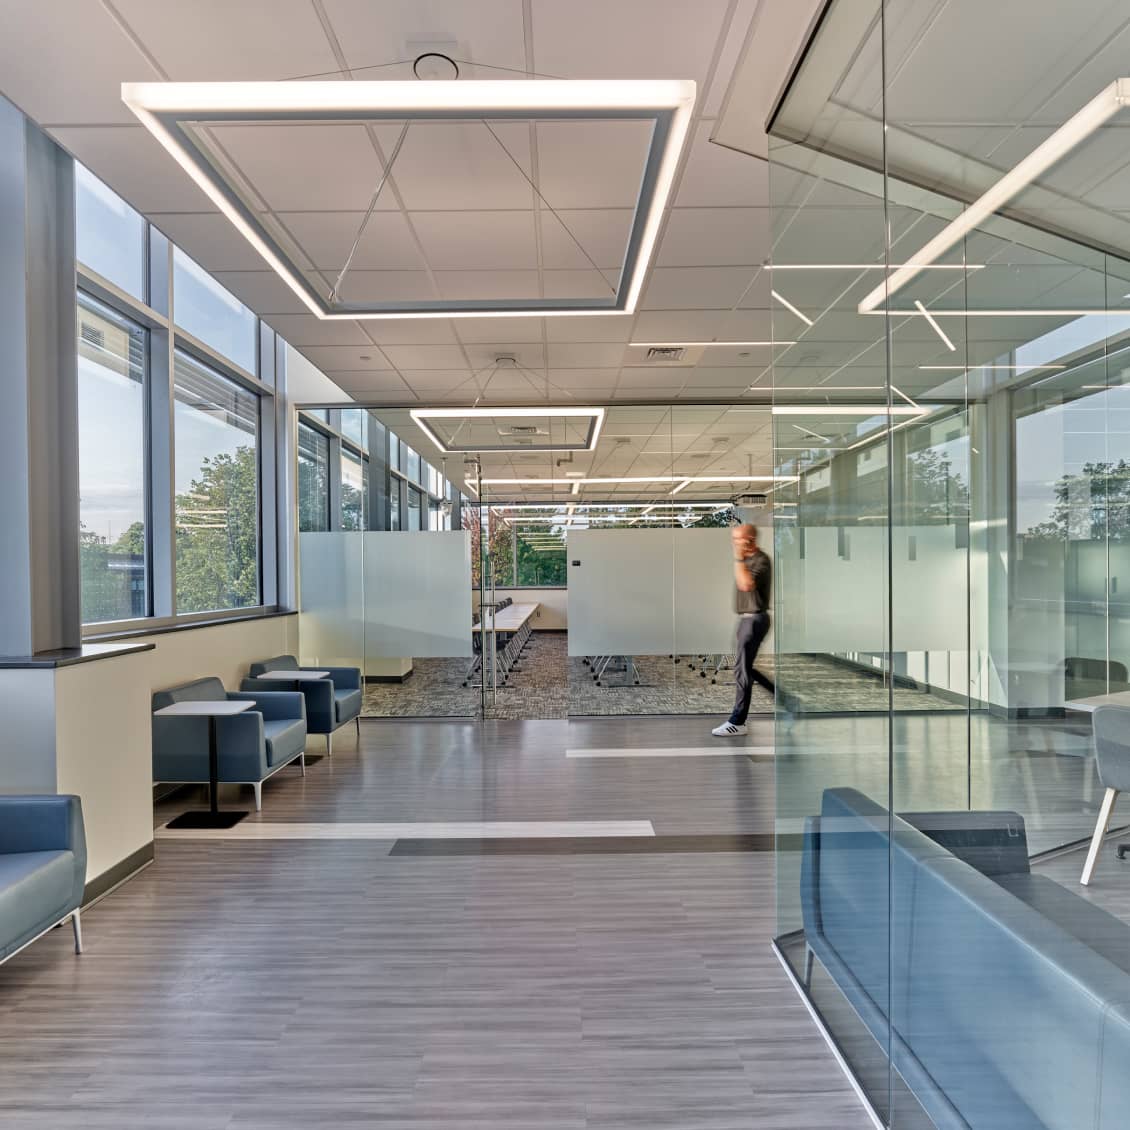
{"type": "Point", "coordinates": [178, 114]}
{"type": "Point", "coordinates": [453, 434]}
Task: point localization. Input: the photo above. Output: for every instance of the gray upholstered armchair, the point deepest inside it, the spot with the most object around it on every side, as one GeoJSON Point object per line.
{"type": "Point", "coordinates": [250, 747]}
{"type": "Point", "coordinates": [42, 868]}
{"type": "Point", "coordinates": [330, 702]}
{"type": "Point", "coordinates": [1111, 735]}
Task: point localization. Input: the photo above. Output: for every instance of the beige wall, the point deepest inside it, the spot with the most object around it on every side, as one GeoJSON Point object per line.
{"type": "Point", "coordinates": [553, 612]}
{"type": "Point", "coordinates": [225, 650]}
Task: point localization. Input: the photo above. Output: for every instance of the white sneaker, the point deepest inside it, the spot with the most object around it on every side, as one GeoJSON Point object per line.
{"type": "Point", "coordinates": [728, 730]}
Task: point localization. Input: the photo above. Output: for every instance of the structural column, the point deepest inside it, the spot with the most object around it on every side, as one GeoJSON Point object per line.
{"type": "Point", "coordinates": [40, 600]}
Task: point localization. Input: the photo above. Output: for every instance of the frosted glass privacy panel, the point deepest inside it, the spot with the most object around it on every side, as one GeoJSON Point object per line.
{"type": "Point", "coordinates": [704, 592]}
{"type": "Point", "coordinates": [417, 594]}
{"type": "Point", "coordinates": [331, 599]}
{"type": "Point", "coordinates": [620, 585]}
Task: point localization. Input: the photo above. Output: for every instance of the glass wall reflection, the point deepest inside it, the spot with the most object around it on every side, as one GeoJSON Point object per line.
{"type": "Point", "coordinates": [950, 612]}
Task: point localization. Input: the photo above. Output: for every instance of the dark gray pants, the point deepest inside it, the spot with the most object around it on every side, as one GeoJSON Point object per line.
{"type": "Point", "coordinates": [751, 631]}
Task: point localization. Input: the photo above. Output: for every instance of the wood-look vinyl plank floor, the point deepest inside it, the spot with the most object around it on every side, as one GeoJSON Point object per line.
{"type": "Point", "coordinates": [270, 985]}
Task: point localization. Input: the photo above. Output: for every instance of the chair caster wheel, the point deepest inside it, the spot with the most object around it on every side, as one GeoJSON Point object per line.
{"type": "Point", "coordinates": [713, 682]}
{"type": "Point", "coordinates": [598, 682]}
{"type": "Point", "coordinates": [1122, 850]}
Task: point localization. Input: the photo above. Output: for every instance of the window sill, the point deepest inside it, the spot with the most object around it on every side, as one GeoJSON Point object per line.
{"type": "Point", "coordinates": [160, 629]}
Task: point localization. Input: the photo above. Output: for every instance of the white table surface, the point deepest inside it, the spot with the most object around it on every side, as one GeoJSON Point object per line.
{"type": "Point", "coordinates": [509, 619]}
{"type": "Point", "coordinates": [204, 707]}
{"type": "Point", "coordinates": [1088, 705]}
{"type": "Point", "coordinates": [293, 676]}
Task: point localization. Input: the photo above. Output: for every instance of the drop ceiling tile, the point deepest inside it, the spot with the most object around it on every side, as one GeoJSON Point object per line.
{"type": "Point", "coordinates": [455, 166]}
{"type": "Point", "coordinates": [315, 167]}
{"type": "Point", "coordinates": [426, 356]}
{"type": "Point", "coordinates": [489, 331]}
{"type": "Point", "coordinates": [210, 239]}
{"type": "Point", "coordinates": [710, 102]}
{"type": "Point", "coordinates": [716, 177]}
{"type": "Point", "coordinates": [704, 288]}
{"type": "Point", "coordinates": [347, 358]}
{"type": "Point", "coordinates": [588, 379]}
{"type": "Point", "coordinates": [41, 44]}
{"type": "Point", "coordinates": [591, 164]}
{"type": "Point", "coordinates": [426, 381]}
{"type": "Point", "coordinates": [457, 285]}
{"type": "Point", "coordinates": [701, 325]}
{"type": "Point", "coordinates": [528, 354]}
{"type": "Point", "coordinates": [264, 291]}
{"type": "Point", "coordinates": [412, 331]}
{"type": "Point", "coordinates": [486, 32]}
{"type": "Point", "coordinates": [585, 355]}
{"type": "Point", "coordinates": [477, 240]}
{"type": "Point", "coordinates": [301, 330]}
{"type": "Point", "coordinates": [601, 232]}
{"type": "Point", "coordinates": [626, 39]}
{"type": "Point", "coordinates": [385, 286]}
{"type": "Point", "coordinates": [327, 237]}
{"type": "Point", "coordinates": [358, 385]}
{"type": "Point", "coordinates": [715, 237]}
{"type": "Point", "coordinates": [640, 378]}
{"type": "Point", "coordinates": [580, 284]}
{"type": "Point", "coordinates": [599, 328]}
{"type": "Point", "coordinates": [187, 40]}
{"type": "Point", "coordinates": [133, 163]}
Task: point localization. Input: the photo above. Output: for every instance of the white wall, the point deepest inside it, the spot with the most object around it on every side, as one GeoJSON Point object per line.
{"type": "Point", "coordinates": [553, 613]}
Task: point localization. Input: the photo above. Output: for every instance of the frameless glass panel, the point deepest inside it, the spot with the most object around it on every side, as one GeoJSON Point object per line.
{"type": "Point", "coordinates": [111, 424]}
{"type": "Point", "coordinates": [213, 314]}
{"type": "Point", "coordinates": [354, 501]}
{"type": "Point", "coordinates": [109, 234]}
{"type": "Point", "coordinates": [313, 479]}
{"type": "Point", "coordinates": [216, 427]}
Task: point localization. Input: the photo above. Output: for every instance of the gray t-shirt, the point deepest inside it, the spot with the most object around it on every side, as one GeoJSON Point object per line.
{"type": "Point", "coordinates": [758, 598]}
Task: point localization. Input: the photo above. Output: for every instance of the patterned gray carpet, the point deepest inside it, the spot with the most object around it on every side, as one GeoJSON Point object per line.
{"type": "Point", "coordinates": [548, 683]}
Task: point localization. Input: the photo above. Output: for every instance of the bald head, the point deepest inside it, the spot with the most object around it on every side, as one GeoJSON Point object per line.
{"type": "Point", "coordinates": [744, 538]}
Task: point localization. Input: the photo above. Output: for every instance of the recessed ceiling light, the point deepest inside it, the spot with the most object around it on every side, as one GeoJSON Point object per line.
{"type": "Point", "coordinates": [845, 410]}
{"type": "Point", "coordinates": [171, 111]}
{"type": "Point", "coordinates": [935, 327]}
{"type": "Point", "coordinates": [874, 267]}
{"type": "Point", "coordinates": [987, 365]}
{"type": "Point", "coordinates": [704, 344]}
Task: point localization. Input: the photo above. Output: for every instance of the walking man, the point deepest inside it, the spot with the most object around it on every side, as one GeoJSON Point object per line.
{"type": "Point", "coordinates": [753, 578]}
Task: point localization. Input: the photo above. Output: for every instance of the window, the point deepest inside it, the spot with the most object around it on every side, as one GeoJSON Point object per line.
{"type": "Point", "coordinates": [111, 425]}
{"type": "Point", "coordinates": [216, 426]}
{"type": "Point", "coordinates": [396, 453]}
{"type": "Point", "coordinates": [354, 496]}
{"type": "Point", "coordinates": [412, 465]}
{"type": "Point", "coordinates": [353, 426]}
{"type": "Point", "coordinates": [109, 234]}
{"type": "Point", "coordinates": [394, 504]}
{"type": "Point", "coordinates": [313, 479]}
{"type": "Point", "coordinates": [414, 509]}
{"type": "Point", "coordinates": [212, 314]}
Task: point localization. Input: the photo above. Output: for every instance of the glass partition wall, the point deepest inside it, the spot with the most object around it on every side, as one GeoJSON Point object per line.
{"type": "Point", "coordinates": [949, 593]}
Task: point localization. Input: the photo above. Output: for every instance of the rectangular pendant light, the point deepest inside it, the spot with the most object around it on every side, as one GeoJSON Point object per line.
{"type": "Point", "coordinates": [167, 109]}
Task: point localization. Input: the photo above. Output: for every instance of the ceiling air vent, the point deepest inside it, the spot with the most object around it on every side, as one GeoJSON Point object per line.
{"type": "Point", "coordinates": [93, 335]}
{"type": "Point", "coordinates": [523, 429]}
{"type": "Point", "coordinates": [661, 353]}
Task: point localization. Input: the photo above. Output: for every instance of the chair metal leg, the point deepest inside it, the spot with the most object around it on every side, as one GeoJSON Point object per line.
{"type": "Point", "coordinates": [76, 926]}
{"type": "Point", "coordinates": [302, 762]}
{"type": "Point", "coordinates": [358, 721]}
{"type": "Point", "coordinates": [1105, 812]}
{"type": "Point", "coordinates": [329, 745]}
{"type": "Point", "coordinates": [258, 786]}
{"type": "Point", "coordinates": [809, 957]}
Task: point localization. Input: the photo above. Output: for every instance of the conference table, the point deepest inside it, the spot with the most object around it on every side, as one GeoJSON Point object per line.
{"type": "Point", "coordinates": [513, 621]}
{"type": "Point", "coordinates": [1091, 704]}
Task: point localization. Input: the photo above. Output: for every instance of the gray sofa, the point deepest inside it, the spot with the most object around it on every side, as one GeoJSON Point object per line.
{"type": "Point", "coordinates": [1007, 995]}
{"type": "Point", "coordinates": [42, 868]}
{"type": "Point", "coordinates": [330, 702]}
{"type": "Point", "coordinates": [251, 746]}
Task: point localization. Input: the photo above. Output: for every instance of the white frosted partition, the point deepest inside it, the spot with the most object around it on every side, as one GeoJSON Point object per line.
{"type": "Point", "coordinates": [417, 594]}
{"type": "Point", "coordinates": [331, 599]}
{"type": "Point", "coordinates": [650, 592]}
{"type": "Point", "coordinates": [704, 592]}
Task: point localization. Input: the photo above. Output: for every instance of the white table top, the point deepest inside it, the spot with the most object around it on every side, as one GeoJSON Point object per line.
{"type": "Point", "coordinates": [205, 707]}
{"type": "Point", "coordinates": [509, 619]}
{"type": "Point", "coordinates": [1088, 705]}
{"type": "Point", "coordinates": [294, 676]}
